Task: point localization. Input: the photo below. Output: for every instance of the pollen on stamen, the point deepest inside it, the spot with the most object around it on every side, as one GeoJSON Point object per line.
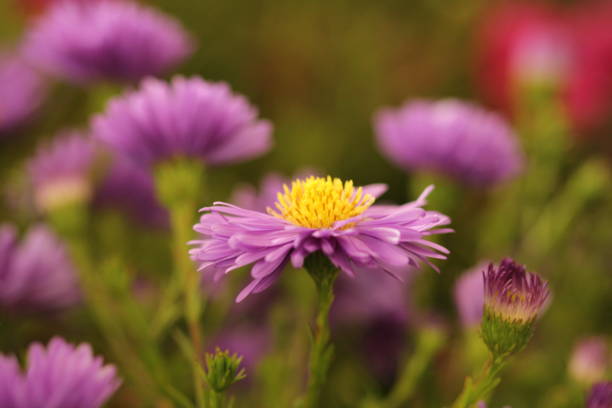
{"type": "Point", "coordinates": [319, 202]}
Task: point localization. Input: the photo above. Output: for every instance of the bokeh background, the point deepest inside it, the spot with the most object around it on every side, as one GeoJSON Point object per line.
{"type": "Point", "coordinates": [319, 70]}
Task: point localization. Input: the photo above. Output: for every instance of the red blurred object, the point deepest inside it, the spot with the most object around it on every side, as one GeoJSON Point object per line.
{"type": "Point", "coordinates": [589, 93]}
{"type": "Point", "coordinates": [520, 41]}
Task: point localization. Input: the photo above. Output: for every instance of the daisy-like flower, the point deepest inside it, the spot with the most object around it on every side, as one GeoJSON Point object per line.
{"type": "Point", "coordinates": [59, 375]}
{"type": "Point", "coordinates": [21, 92]}
{"type": "Point", "coordinates": [600, 396]}
{"type": "Point", "coordinates": [589, 361]}
{"type": "Point", "coordinates": [454, 138]}
{"type": "Point", "coordinates": [114, 40]}
{"type": "Point", "coordinates": [317, 215]}
{"type": "Point", "coordinates": [186, 118]}
{"type": "Point", "coordinates": [60, 171]}
{"type": "Point", "coordinates": [36, 273]}
{"type": "Point", "coordinates": [513, 300]}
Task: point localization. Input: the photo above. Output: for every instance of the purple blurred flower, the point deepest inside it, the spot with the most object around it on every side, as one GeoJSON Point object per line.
{"type": "Point", "coordinates": [512, 293]}
{"type": "Point", "coordinates": [60, 375]}
{"type": "Point", "coordinates": [188, 117]}
{"type": "Point", "coordinates": [36, 274]}
{"type": "Point", "coordinates": [248, 197]}
{"type": "Point", "coordinates": [21, 92]}
{"type": "Point", "coordinates": [589, 360]}
{"type": "Point", "coordinates": [469, 296]}
{"type": "Point", "coordinates": [317, 214]}
{"type": "Point", "coordinates": [105, 40]}
{"type": "Point", "coordinates": [454, 138]}
{"type": "Point", "coordinates": [130, 189]}
{"type": "Point", "coordinates": [60, 171]}
{"type": "Point", "coordinates": [600, 396]}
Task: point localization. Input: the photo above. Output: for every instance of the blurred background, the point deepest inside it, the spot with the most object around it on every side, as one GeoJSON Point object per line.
{"type": "Point", "coordinates": [319, 71]}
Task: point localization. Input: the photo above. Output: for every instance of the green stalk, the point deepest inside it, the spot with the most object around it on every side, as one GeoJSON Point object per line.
{"type": "Point", "coordinates": [178, 186]}
{"type": "Point", "coordinates": [429, 342]}
{"type": "Point", "coordinates": [480, 388]}
{"type": "Point", "coordinates": [324, 275]}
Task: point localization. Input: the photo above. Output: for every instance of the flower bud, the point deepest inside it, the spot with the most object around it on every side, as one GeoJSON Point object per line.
{"type": "Point", "coordinates": [223, 370]}
{"type": "Point", "coordinates": [513, 300]}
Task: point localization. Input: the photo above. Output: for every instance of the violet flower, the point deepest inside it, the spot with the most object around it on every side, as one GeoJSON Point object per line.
{"type": "Point", "coordinates": [512, 293]}
{"type": "Point", "coordinates": [36, 273]}
{"type": "Point", "coordinates": [60, 172]}
{"type": "Point", "coordinates": [22, 91]}
{"type": "Point", "coordinates": [457, 139]}
{"type": "Point", "coordinates": [111, 40]}
{"type": "Point", "coordinates": [60, 375]}
{"type": "Point", "coordinates": [317, 214]}
{"type": "Point", "coordinates": [600, 396]}
{"type": "Point", "coordinates": [188, 117]}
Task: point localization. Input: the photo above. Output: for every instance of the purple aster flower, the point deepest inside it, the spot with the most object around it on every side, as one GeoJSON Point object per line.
{"type": "Point", "coordinates": [130, 189]}
{"type": "Point", "coordinates": [188, 117]}
{"type": "Point", "coordinates": [600, 396]}
{"type": "Point", "coordinates": [60, 171]}
{"type": "Point", "coordinates": [469, 296]}
{"type": "Point", "coordinates": [512, 293]}
{"type": "Point", "coordinates": [589, 361]}
{"type": "Point", "coordinates": [11, 383]}
{"type": "Point", "coordinates": [21, 92]}
{"type": "Point", "coordinates": [317, 214]}
{"type": "Point", "coordinates": [36, 274]}
{"type": "Point", "coordinates": [105, 40]}
{"type": "Point", "coordinates": [59, 376]}
{"type": "Point", "coordinates": [454, 138]}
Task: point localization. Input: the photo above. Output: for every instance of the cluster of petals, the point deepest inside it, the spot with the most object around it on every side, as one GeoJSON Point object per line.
{"type": "Point", "coordinates": [512, 293]}
{"type": "Point", "coordinates": [387, 239]}
{"type": "Point", "coordinates": [35, 274]}
{"type": "Point", "coordinates": [188, 117]}
{"type": "Point", "coordinates": [105, 40]}
{"type": "Point", "coordinates": [454, 138]}
{"type": "Point", "coordinates": [60, 375]}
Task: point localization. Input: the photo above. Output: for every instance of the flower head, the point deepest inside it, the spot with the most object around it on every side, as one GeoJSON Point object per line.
{"type": "Point", "coordinates": [105, 40]}
{"type": "Point", "coordinates": [589, 361]}
{"type": "Point", "coordinates": [454, 138]}
{"type": "Point", "coordinates": [469, 296]}
{"type": "Point", "coordinates": [188, 117]}
{"type": "Point", "coordinates": [512, 293]}
{"type": "Point", "coordinates": [513, 299]}
{"type": "Point", "coordinates": [317, 215]}
{"type": "Point", "coordinates": [36, 274]}
{"type": "Point", "coordinates": [59, 375]}
{"type": "Point", "coordinates": [600, 396]}
{"type": "Point", "coordinates": [21, 92]}
{"type": "Point", "coordinates": [60, 172]}
{"type": "Point", "coordinates": [223, 370]}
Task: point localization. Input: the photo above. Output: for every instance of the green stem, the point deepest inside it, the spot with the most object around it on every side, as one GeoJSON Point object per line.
{"type": "Point", "coordinates": [178, 185]}
{"type": "Point", "coordinates": [429, 342]}
{"type": "Point", "coordinates": [479, 389]}
{"type": "Point", "coordinates": [181, 218]}
{"type": "Point", "coordinates": [215, 399]}
{"type": "Point", "coordinates": [324, 275]}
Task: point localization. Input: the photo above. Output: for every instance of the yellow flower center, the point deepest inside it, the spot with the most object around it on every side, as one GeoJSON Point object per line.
{"type": "Point", "coordinates": [318, 202]}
